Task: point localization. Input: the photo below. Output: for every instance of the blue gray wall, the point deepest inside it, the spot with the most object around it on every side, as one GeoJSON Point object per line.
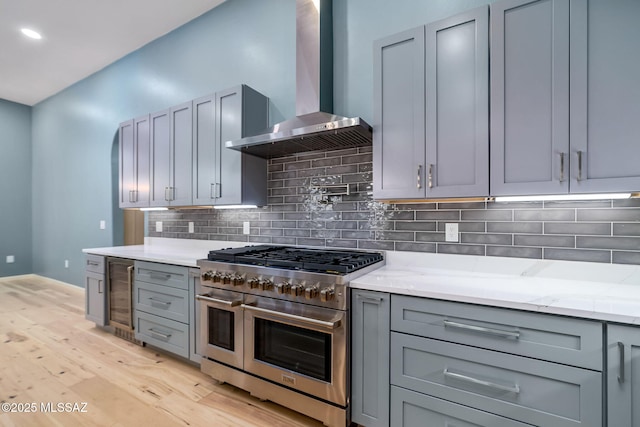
{"type": "Point", "coordinates": [15, 187]}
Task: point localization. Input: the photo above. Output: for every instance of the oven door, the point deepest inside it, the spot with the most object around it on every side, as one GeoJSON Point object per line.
{"type": "Point", "coordinates": [221, 325]}
{"type": "Point", "coordinates": [298, 346]}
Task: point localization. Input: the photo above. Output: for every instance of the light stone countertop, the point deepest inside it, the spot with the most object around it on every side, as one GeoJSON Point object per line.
{"type": "Point", "coordinates": [609, 292]}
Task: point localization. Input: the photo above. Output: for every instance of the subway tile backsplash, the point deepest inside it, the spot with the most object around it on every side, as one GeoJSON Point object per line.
{"type": "Point", "coordinates": [303, 211]}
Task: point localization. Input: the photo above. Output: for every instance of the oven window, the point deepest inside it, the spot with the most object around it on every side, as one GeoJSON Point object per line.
{"type": "Point", "coordinates": [221, 324]}
{"type": "Point", "coordinates": [297, 349]}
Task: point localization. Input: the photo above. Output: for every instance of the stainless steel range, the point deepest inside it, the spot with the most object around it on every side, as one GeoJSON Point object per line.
{"type": "Point", "coordinates": [275, 322]}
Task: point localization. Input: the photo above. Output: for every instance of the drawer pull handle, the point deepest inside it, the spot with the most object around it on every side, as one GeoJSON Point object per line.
{"type": "Point", "coordinates": [161, 276]}
{"type": "Point", "coordinates": [93, 263]}
{"type": "Point", "coordinates": [376, 300]}
{"type": "Point", "coordinates": [621, 351]}
{"type": "Point", "coordinates": [156, 301]}
{"type": "Point", "coordinates": [160, 334]}
{"type": "Point", "coordinates": [511, 389]}
{"type": "Point", "coordinates": [482, 330]}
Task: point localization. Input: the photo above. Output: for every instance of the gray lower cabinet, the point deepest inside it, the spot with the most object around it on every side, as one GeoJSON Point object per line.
{"type": "Point", "coordinates": [564, 102]}
{"type": "Point", "coordinates": [411, 409]}
{"type": "Point", "coordinates": [370, 357]}
{"type": "Point", "coordinates": [468, 365]}
{"type": "Point", "coordinates": [438, 148]}
{"type": "Point", "coordinates": [133, 158]}
{"type": "Point", "coordinates": [171, 156]}
{"type": "Point", "coordinates": [162, 306]}
{"type": "Point", "coordinates": [222, 176]}
{"type": "Point", "coordinates": [623, 349]}
{"type": "Point", "coordinates": [95, 290]}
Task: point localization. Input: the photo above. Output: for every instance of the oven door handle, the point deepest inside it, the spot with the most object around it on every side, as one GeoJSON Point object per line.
{"type": "Point", "coordinates": [315, 322]}
{"type": "Point", "coordinates": [218, 301]}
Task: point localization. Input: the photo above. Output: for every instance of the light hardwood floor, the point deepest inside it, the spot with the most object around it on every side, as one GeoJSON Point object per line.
{"type": "Point", "coordinates": [50, 354]}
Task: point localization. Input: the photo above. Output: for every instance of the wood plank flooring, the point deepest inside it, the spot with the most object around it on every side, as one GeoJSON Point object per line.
{"type": "Point", "coordinates": [50, 355]}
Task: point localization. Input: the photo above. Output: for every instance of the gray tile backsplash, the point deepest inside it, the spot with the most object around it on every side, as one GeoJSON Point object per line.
{"type": "Point", "coordinates": [302, 211]}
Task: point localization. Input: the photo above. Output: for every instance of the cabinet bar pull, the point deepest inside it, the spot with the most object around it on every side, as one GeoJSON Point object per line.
{"type": "Point", "coordinates": [160, 334]}
{"type": "Point", "coordinates": [100, 287]}
{"type": "Point", "coordinates": [561, 167]}
{"type": "Point", "coordinates": [419, 178]}
{"type": "Point", "coordinates": [93, 263]}
{"type": "Point", "coordinates": [430, 176]}
{"type": "Point", "coordinates": [511, 389]}
{"type": "Point", "coordinates": [156, 301]}
{"type": "Point", "coordinates": [163, 276]}
{"type": "Point", "coordinates": [371, 299]}
{"type": "Point", "coordinates": [208, 298]}
{"type": "Point", "coordinates": [218, 193]}
{"type": "Point", "coordinates": [212, 189]}
{"type": "Point", "coordinates": [482, 330]}
{"type": "Point", "coordinates": [579, 178]}
{"type": "Point", "coordinates": [621, 369]}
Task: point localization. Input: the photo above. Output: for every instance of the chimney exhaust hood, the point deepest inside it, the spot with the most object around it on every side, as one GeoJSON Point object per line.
{"type": "Point", "coordinates": [312, 129]}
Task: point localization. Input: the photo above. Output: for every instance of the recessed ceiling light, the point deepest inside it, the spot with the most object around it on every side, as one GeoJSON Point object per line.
{"type": "Point", "coordinates": [31, 34]}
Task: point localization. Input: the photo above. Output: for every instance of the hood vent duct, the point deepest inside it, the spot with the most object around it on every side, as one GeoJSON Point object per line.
{"type": "Point", "coordinates": [312, 129]}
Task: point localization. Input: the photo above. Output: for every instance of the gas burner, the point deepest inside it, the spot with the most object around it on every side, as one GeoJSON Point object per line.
{"type": "Point", "coordinates": [304, 259]}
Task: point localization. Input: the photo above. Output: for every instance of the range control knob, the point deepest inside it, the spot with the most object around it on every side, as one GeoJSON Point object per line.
{"type": "Point", "coordinates": [253, 282]}
{"type": "Point", "coordinates": [226, 279]}
{"type": "Point", "coordinates": [311, 292]}
{"type": "Point", "coordinates": [327, 294]}
{"type": "Point", "coordinates": [217, 277]}
{"type": "Point", "coordinates": [265, 284]}
{"type": "Point", "coordinates": [297, 290]}
{"type": "Point", "coordinates": [237, 280]}
{"type": "Point", "coordinates": [207, 275]}
{"type": "Point", "coordinates": [283, 287]}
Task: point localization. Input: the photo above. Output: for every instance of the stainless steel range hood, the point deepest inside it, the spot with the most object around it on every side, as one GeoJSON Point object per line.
{"type": "Point", "coordinates": [313, 128]}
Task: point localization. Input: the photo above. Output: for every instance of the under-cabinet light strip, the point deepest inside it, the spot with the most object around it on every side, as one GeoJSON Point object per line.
{"type": "Point", "coordinates": [563, 197]}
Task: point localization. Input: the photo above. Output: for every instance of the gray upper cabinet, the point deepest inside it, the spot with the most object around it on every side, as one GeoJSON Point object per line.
{"type": "Point", "coordinates": [457, 105]}
{"type": "Point", "coordinates": [171, 156]}
{"type": "Point", "coordinates": [430, 134]}
{"type": "Point", "coordinates": [160, 157]}
{"type": "Point", "coordinates": [134, 163]}
{"type": "Point", "coordinates": [222, 176]}
{"type": "Point", "coordinates": [623, 375]}
{"type": "Point", "coordinates": [398, 127]}
{"type": "Point", "coordinates": [529, 97]}
{"type": "Point", "coordinates": [605, 89]}
{"type": "Point", "coordinates": [564, 91]}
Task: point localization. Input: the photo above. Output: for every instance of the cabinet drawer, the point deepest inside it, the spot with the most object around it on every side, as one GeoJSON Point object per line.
{"type": "Point", "coordinates": [94, 263]}
{"type": "Point", "coordinates": [556, 339]}
{"type": "Point", "coordinates": [163, 333]}
{"type": "Point", "coordinates": [162, 274]}
{"type": "Point", "coordinates": [163, 301]}
{"type": "Point", "coordinates": [409, 409]}
{"type": "Point", "coordinates": [528, 390]}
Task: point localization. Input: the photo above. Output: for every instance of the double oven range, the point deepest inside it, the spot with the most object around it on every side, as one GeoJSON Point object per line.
{"type": "Point", "coordinates": [274, 321]}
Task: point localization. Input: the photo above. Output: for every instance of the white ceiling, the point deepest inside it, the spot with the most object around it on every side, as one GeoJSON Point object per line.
{"type": "Point", "coordinates": [79, 37]}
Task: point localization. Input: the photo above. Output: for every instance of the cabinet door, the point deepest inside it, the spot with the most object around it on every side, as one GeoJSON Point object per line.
{"type": "Point", "coordinates": [95, 298]}
{"type": "Point", "coordinates": [370, 358]}
{"type": "Point", "coordinates": [181, 155]}
{"type": "Point", "coordinates": [142, 174]}
{"type": "Point", "coordinates": [127, 162]}
{"type": "Point", "coordinates": [457, 109]}
{"type": "Point", "coordinates": [623, 376]}
{"type": "Point", "coordinates": [205, 167]}
{"type": "Point", "coordinates": [398, 108]}
{"type": "Point", "coordinates": [529, 97]}
{"type": "Point", "coordinates": [605, 90]}
{"type": "Point", "coordinates": [160, 154]}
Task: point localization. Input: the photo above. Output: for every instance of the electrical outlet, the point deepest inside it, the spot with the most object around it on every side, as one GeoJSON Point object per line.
{"type": "Point", "coordinates": [66, 263]}
{"type": "Point", "coordinates": [158, 226]}
{"type": "Point", "coordinates": [191, 227]}
{"type": "Point", "coordinates": [451, 232]}
{"type": "Point", "coordinates": [11, 259]}
{"type": "Point", "coordinates": [246, 227]}
{"type": "Point", "coordinates": [103, 224]}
